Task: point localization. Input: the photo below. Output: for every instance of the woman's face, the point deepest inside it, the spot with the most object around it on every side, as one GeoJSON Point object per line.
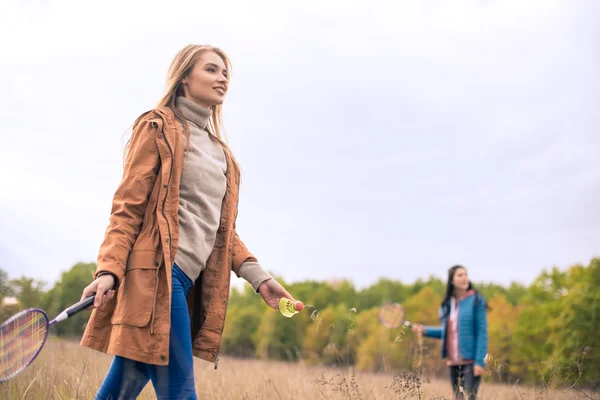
{"type": "Point", "coordinates": [206, 84]}
{"type": "Point", "coordinates": [460, 279]}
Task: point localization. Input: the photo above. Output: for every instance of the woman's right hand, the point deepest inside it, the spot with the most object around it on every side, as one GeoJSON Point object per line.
{"type": "Point", "coordinates": [418, 328]}
{"type": "Point", "coordinates": [102, 287]}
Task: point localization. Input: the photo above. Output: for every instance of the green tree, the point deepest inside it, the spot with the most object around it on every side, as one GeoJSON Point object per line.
{"type": "Point", "coordinates": [243, 318]}
{"type": "Point", "coordinates": [535, 324]}
{"type": "Point", "coordinates": [326, 340]}
{"type": "Point", "coordinates": [436, 284]}
{"type": "Point", "coordinates": [278, 337]}
{"type": "Point", "coordinates": [576, 342]}
{"type": "Point", "coordinates": [28, 291]}
{"type": "Point", "coordinates": [383, 291]}
{"type": "Point", "coordinates": [5, 288]}
{"type": "Point", "coordinates": [513, 293]}
{"type": "Point", "coordinates": [6, 310]}
{"type": "Point", "coordinates": [66, 292]}
{"type": "Point", "coordinates": [502, 324]}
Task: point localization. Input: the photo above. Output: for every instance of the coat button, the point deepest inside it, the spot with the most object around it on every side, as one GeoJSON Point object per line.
{"type": "Point", "coordinates": [168, 240]}
{"type": "Point", "coordinates": [160, 136]}
{"type": "Point", "coordinates": [162, 357]}
{"type": "Point", "coordinates": [165, 186]}
{"type": "Point", "coordinates": [156, 263]}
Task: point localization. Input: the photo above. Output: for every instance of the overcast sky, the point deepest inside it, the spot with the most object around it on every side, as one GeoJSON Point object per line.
{"type": "Point", "coordinates": [377, 139]}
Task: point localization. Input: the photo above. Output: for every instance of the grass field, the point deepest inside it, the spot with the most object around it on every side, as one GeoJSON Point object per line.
{"type": "Point", "coordinates": [66, 371]}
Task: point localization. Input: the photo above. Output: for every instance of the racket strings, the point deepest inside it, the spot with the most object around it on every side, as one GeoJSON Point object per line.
{"type": "Point", "coordinates": [391, 315]}
{"type": "Point", "coordinates": [20, 340]}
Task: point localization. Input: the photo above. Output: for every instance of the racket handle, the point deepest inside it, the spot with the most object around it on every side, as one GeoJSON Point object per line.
{"type": "Point", "coordinates": [82, 305]}
{"type": "Point", "coordinates": [74, 309]}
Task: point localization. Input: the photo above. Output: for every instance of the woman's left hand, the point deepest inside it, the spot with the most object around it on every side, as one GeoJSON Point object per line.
{"type": "Point", "coordinates": [478, 370]}
{"type": "Point", "coordinates": [271, 291]}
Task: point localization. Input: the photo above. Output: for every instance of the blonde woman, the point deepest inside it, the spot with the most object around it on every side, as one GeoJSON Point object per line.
{"type": "Point", "coordinates": [163, 275]}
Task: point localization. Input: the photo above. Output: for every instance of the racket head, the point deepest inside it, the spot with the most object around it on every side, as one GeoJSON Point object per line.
{"type": "Point", "coordinates": [391, 315]}
{"type": "Point", "coordinates": [22, 337]}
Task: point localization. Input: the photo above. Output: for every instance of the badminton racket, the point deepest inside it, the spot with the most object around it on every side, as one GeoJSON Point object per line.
{"type": "Point", "coordinates": [391, 315]}
{"type": "Point", "coordinates": [24, 334]}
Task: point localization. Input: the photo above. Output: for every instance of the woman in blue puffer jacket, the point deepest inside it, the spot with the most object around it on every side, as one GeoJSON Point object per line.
{"type": "Point", "coordinates": [463, 332]}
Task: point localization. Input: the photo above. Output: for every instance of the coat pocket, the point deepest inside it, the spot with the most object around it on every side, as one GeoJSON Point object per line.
{"type": "Point", "coordinates": [137, 293]}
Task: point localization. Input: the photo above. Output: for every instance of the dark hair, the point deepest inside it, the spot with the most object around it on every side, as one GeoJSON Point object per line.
{"type": "Point", "coordinates": [445, 305]}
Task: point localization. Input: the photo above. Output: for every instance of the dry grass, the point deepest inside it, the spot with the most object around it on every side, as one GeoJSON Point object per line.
{"type": "Point", "coordinates": [66, 371]}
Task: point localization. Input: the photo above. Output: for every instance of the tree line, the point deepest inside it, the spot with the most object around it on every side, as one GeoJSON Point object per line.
{"type": "Point", "coordinates": [548, 330]}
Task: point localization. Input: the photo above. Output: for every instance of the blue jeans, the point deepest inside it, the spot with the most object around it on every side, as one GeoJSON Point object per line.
{"type": "Point", "coordinates": [126, 378]}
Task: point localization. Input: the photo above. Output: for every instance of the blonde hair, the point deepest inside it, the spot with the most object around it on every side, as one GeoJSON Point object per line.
{"type": "Point", "coordinates": [180, 67]}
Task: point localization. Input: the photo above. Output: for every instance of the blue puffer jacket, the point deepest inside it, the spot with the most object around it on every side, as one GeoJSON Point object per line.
{"type": "Point", "coordinates": [472, 329]}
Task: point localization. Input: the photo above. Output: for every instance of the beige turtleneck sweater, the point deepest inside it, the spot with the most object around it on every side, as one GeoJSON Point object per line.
{"type": "Point", "coordinates": [201, 192]}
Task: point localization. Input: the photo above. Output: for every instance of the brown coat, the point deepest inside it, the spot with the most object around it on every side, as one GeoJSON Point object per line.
{"type": "Point", "coordinates": [139, 248]}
